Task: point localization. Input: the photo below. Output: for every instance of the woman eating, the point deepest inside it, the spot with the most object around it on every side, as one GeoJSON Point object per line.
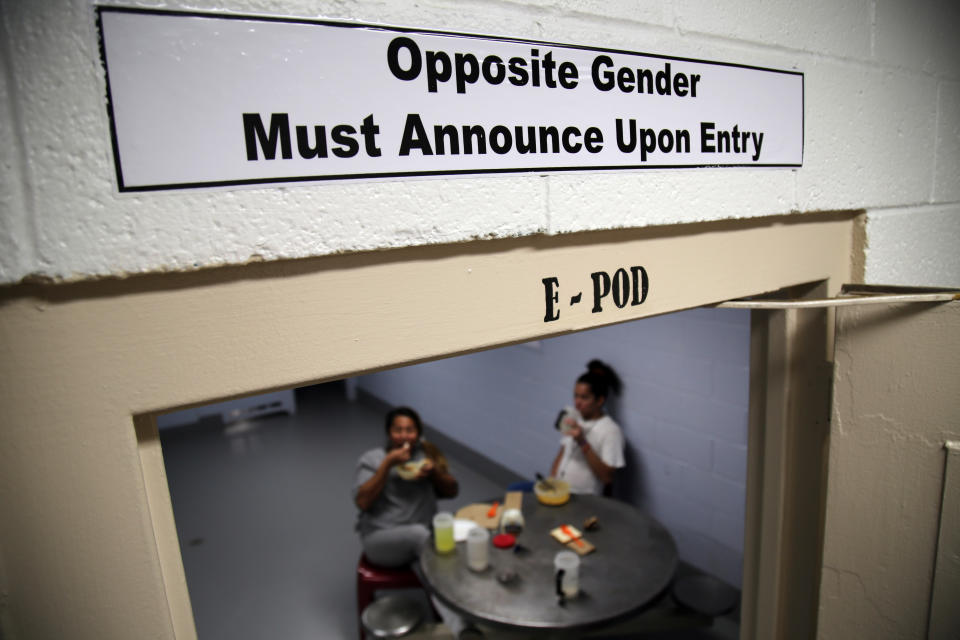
{"type": "Point", "coordinates": [396, 489]}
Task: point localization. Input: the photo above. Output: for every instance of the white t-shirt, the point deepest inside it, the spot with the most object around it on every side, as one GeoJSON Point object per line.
{"type": "Point", "coordinates": [605, 438]}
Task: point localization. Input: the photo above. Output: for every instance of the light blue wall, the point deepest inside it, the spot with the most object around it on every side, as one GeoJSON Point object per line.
{"type": "Point", "coordinates": [683, 412]}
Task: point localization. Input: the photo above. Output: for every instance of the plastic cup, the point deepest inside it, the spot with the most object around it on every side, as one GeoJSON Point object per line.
{"type": "Point", "coordinates": [512, 521]}
{"type": "Point", "coordinates": [443, 532]}
{"type": "Point", "coordinates": [571, 418]}
{"type": "Point", "coordinates": [478, 545]}
{"type": "Point", "coordinates": [567, 567]}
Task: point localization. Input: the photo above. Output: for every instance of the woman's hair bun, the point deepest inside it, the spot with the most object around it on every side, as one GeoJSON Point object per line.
{"type": "Point", "coordinates": [602, 378]}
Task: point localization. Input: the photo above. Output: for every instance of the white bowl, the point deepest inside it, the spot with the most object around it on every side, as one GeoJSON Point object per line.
{"type": "Point", "coordinates": [411, 469]}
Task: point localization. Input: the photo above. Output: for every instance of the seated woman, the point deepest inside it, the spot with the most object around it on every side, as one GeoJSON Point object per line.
{"type": "Point", "coordinates": [592, 448]}
{"type": "Point", "coordinates": [396, 513]}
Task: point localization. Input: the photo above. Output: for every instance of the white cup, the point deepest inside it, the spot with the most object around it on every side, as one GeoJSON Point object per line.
{"type": "Point", "coordinates": [478, 544]}
{"type": "Point", "coordinates": [567, 570]}
{"type": "Point", "coordinates": [571, 418]}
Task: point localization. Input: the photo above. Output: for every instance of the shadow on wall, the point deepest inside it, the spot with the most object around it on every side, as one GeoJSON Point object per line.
{"type": "Point", "coordinates": [627, 483]}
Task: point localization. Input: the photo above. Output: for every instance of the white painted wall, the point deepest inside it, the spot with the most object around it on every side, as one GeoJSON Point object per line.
{"type": "Point", "coordinates": [902, 251]}
{"type": "Point", "coordinates": [882, 134]}
{"type": "Point", "coordinates": [683, 412]}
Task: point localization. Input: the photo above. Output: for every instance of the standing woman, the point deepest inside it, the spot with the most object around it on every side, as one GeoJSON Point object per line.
{"type": "Point", "coordinates": [592, 448]}
{"type": "Point", "coordinates": [395, 510]}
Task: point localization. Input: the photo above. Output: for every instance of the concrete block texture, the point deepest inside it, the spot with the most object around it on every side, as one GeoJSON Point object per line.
{"type": "Point", "coordinates": [728, 529]}
{"type": "Point", "coordinates": [685, 445]}
{"type": "Point", "coordinates": [711, 417]}
{"type": "Point", "coordinates": [914, 246]}
{"type": "Point", "coordinates": [729, 383]}
{"type": "Point", "coordinates": [869, 136]}
{"type": "Point", "coordinates": [730, 461]}
{"type": "Point", "coordinates": [587, 202]}
{"type": "Point", "coordinates": [620, 11]}
{"type": "Point", "coordinates": [840, 29]}
{"type": "Point", "coordinates": [881, 131]}
{"type": "Point", "coordinates": [918, 36]}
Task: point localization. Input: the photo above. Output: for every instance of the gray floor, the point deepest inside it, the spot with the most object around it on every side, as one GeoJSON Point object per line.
{"type": "Point", "coordinates": [265, 518]}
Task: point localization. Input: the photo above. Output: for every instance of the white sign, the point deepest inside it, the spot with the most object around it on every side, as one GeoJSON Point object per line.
{"type": "Point", "coordinates": [199, 100]}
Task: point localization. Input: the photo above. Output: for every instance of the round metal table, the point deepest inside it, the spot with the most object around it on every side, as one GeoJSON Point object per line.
{"type": "Point", "coordinates": [634, 561]}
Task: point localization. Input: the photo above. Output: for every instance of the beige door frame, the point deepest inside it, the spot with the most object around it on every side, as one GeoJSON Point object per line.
{"type": "Point", "coordinates": [82, 485]}
{"type": "Point", "coordinates": [790, 378]}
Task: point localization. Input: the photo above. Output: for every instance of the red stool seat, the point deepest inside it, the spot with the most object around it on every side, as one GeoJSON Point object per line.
{"type": "Point", "coordinates": [371, 578]}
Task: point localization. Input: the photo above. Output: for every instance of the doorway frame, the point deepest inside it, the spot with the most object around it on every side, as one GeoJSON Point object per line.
{"type": "Point", "coordinates": [787, 452]}
{"type": "Point", "coordinates": [94, 359]}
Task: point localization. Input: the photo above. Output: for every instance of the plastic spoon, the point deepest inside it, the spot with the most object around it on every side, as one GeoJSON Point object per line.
{"type": "Point", "coordinates": [546, 483]}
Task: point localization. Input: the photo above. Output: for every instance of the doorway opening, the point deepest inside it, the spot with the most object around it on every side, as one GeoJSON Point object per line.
{"type": "Point", "coordinates": [263, 508]}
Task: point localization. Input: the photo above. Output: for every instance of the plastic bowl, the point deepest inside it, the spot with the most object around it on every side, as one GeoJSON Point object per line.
{"type": "Point", "coordinates": [410, 470]}
{"type": "Point", "coordinates": [554, 495]}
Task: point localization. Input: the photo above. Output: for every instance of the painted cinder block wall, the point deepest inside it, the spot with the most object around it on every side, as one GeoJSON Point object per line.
{"type": "Point", "coordinates": [882, 135]}
{"type": "Point", "coordinates": [683, 413]}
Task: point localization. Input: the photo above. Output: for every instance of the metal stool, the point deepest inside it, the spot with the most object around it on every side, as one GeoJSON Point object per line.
{"type": "Point", "coordinates": [371, 578]}
{"type": "Point", "coordinates": [706, 595]}
{"type": "Point", "coordinates": [391, 617]}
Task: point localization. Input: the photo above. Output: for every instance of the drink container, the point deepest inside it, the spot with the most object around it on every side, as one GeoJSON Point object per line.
{"type": "Point", "coordinates": [443, 532]}
{"type": "Point", "coordinates": [478, 545]}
